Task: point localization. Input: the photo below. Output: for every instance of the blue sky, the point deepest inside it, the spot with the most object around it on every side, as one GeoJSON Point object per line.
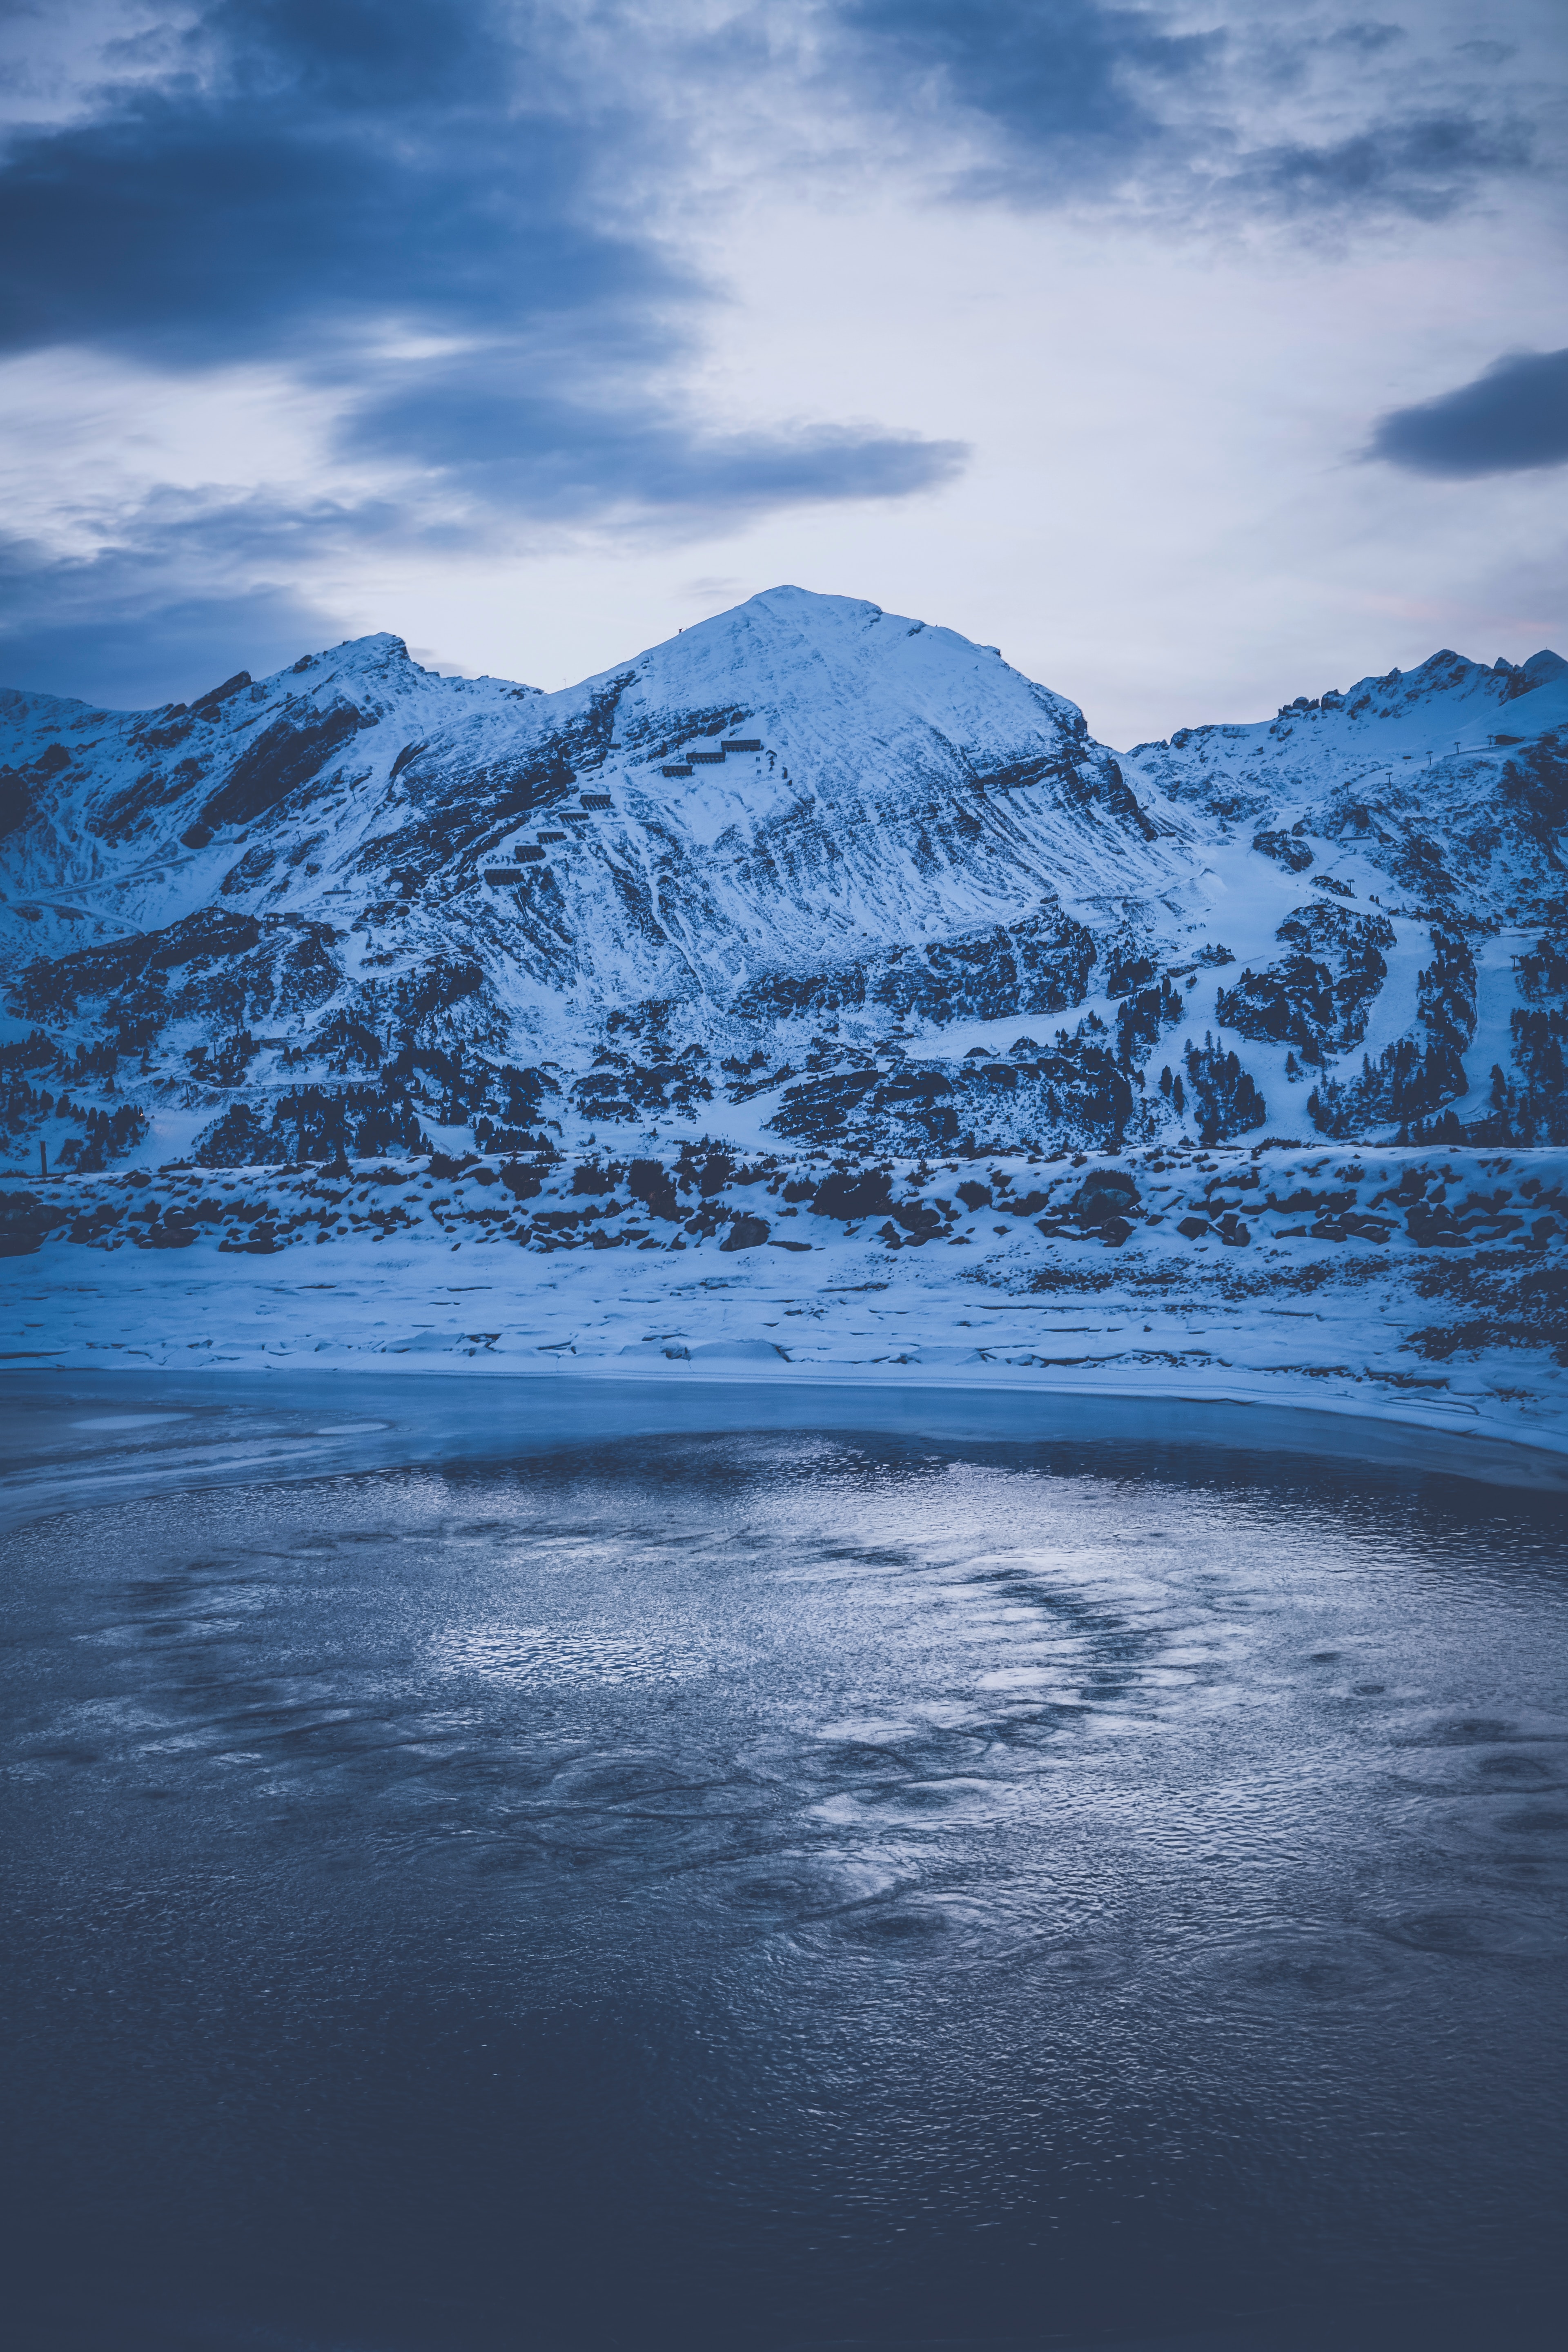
{"type": "Point", "coordinates": [1198, 357]}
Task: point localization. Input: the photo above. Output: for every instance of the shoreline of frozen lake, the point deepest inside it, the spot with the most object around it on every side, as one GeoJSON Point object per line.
{"type": "Point", "coordinates": [1452, 1326]}
{"type": "Point", "coordinates": [79, 1440]}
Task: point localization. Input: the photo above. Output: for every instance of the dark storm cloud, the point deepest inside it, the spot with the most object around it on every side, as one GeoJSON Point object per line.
{"type": "Point", "coordinates": [311, 182]}
{"type": "Point", "coordinates": [452, 229]}
{"type": "Point", "coordinates": [1067, 100]}
{"type": "Point", "coordinates": [1510, 420]}
{"type": "Point", "coordinates": [300, 176]}
{"type": "Point", "coordinates": [300, 172]}
{"type": "Point", "coordinates": [196, 233]}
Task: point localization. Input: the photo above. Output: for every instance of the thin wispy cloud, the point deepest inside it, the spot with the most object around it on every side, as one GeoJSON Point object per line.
{"type": "Point", "coordinates": [1258, 120]}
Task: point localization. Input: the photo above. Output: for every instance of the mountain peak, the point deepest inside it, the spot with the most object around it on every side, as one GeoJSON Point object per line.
{"type": "Point", "coordinates": [354, 654]}
{"type": "Point", "coordinates": [802, 834]}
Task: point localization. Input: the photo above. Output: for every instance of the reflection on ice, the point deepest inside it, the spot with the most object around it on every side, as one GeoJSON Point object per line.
{"type": "Point", "coordinates": [544, 1654]}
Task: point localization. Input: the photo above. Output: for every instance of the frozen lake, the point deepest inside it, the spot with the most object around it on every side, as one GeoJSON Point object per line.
{"type": "Point", "coordinates": [576, 1870]}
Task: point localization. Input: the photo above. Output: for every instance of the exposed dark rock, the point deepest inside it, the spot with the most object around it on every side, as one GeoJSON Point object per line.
{"type": "Point", "coordinates": [650, 1181]}
{"type": "Point", "coordinates": [295, 748]}
{"type": "Point", "coordinates": [204, 703]}
{"type": "Point", "coordinates": [589, 1177]}
{"type": "Point", "coordinates": [918, 1219]}
{"type": "Point", "coordinates": [24, 1219]}
{"type": "Point", "coordinates": [1320, 993]}
{"type": "Point", "coordinates": [16, 801]}
{"type": "Point", "coordinates": [1105, 1192]}
{"type": "Point", "coordinates": [852, 1197]}
{"type": "Point", "coordinates": [1285, 850]}
{"type": "Point", "coordinates": [209, 937]}
{"type": "Point", "coordinates": [1035, 966]}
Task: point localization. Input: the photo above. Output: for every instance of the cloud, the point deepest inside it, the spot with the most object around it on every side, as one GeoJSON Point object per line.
{"type": "Point", "coordinates": [1424, 170]}
{"type": "Point", "coordinates": [1294, 120]}
{"type": "Point", "coordinates": [303, 172]}
{"type": "Point", "coordinates": [185, 581]}
{"type": "Point", "coordinates": [155, 613]}
{"type": "Point", "coordinates": [325, 182]}
{"type": "Point", "coordinates": [310, 177]}
{"type": "Point", "coordinates": [1512, 419]}
{"type": "Point", "coordinates": [133, 656]}
{"type": "Point", "coordinates": [570, 461]}
{"type": "Point", "coordinates": [453, 241]}
{"type": "Point", "coordinates": [1068, 95]}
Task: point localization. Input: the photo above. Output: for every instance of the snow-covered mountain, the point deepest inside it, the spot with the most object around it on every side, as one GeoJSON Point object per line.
{"type": "Point", "coordinates": [809, 873]}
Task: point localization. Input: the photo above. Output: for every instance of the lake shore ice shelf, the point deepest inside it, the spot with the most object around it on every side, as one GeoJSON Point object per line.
{"type": "Point", "coordinates": [1412, 1285]}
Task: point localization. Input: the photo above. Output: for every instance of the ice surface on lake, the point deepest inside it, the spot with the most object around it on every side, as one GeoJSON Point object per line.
{"type": "Point", "coordinates": [780, 1886]}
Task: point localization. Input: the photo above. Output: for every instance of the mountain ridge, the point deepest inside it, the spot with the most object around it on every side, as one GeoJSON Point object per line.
{"type": "Point", "coordinates": [467, 907]}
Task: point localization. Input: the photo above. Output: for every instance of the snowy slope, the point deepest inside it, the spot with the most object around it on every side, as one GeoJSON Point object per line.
{"type": "Point", "coordinates": [382, 773]}
{"type": "Point", "coordinates": [356, 906]}
{"type": "Point", "coordinates": [1447, 779]}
